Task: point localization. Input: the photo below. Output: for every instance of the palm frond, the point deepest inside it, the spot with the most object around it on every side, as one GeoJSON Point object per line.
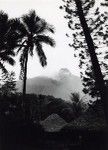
{"type": "Point", "coordinates": [11, 43]}
{"type": "Point", "coordinates": [3, 16]}
{"type": "Point", "coordinates": [6, 56]}
{"type": "Point", "coordinates": [9, 52]}
{"type": "Point", "coordinates": [50, 28]}
{"type": "Point", "coordinates": [41, 26]}
{"type": "Point", "coordinates": [45, 39]}
{"type": "Point", "coordinates": [41, 54]}
{"type": "Point", "coordinates": [21, 46]}
{"type": "Point", "coordinates": [8, 59]}
{"type": "Point", "coordinates": [13, 34]}
{"type": "Point", "coordinates": [18, 27]}
{"type": "Point", "coordinates": [4, 27]}
{"type": "Point", "coordinates": [6, 52]}
{"type": "Point", "coordinates": [2, 67]}
{"type": "Point", "coordinates": [30, 20]}
{"type": "Point", "coordinates": [3, 22]}
{"type": "Point", "coordinates": [31, 50]}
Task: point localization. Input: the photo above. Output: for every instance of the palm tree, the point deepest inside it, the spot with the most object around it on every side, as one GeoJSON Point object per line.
{"type": "Point", "coordinates": [96, 67]}
{"type": "Point", "coordinates": [31, 30]}
{"type": "Point", "coordinates": [7, 42]}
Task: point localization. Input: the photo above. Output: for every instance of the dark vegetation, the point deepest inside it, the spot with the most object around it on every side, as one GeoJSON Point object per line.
{"type": "Point", "coordinates": [20, 125]}
{"type": "Point", "coordinates": [37, 108]}
{"type": "Point", "coordinates": [21, 114]}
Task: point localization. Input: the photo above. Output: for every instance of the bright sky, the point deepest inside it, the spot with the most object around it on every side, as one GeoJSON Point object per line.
{"type": "Point", "coordinates": [59, 57]}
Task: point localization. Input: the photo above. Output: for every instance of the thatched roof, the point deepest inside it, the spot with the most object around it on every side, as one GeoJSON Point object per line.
{"type": "Point", "coordinates": [53, 123]}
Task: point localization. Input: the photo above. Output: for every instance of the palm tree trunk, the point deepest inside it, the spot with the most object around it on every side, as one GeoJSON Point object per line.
{"type": "Point", "coordinates": [24, 102]}
{"type": "Point", "coordinates": [96, 67]}
{"type": "Point", "coordinates": [25, 76]}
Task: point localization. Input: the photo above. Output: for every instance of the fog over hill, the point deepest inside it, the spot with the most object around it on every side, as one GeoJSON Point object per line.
{"type": "Point", "coordinates": [59, 86]}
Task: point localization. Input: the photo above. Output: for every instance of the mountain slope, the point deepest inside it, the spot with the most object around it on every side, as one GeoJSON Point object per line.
{"type": "Point", "coordinates": [59, 86]}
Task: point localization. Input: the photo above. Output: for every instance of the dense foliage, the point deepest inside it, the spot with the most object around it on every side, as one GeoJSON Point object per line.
{"type": "Point", "coordinates": [39, 107]}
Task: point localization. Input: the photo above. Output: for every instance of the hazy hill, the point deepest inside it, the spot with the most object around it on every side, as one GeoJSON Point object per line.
{"type": "Point", "coordinates": [59, 86]}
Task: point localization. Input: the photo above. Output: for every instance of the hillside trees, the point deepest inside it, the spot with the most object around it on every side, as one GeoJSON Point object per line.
{"type": "Point", "coordinates": [8, 85]}
{"type": "Point", "coordinates": [86, 36]}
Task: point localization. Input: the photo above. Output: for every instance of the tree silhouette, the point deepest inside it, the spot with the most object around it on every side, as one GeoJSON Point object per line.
{"type": "Point", "coordinates": [97, 22]}
{"type": "Point", "coordinates": [31, 31]}
{"type": "Point", "coordinates": [7, 42]}
{"type": "Point", "coordinates": [99, 82]}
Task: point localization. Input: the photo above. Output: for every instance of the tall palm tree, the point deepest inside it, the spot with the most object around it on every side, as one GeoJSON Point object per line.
{"type": "Point", "coordinates": [91, 48]}
{"type": "Point", "coordinates": [7, 41]}
{"type": "Point", "coordinates": [31, 30]}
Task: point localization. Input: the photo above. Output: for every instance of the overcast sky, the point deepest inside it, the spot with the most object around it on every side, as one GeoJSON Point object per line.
{"type": "Point", "coordinates": [59, 57]}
